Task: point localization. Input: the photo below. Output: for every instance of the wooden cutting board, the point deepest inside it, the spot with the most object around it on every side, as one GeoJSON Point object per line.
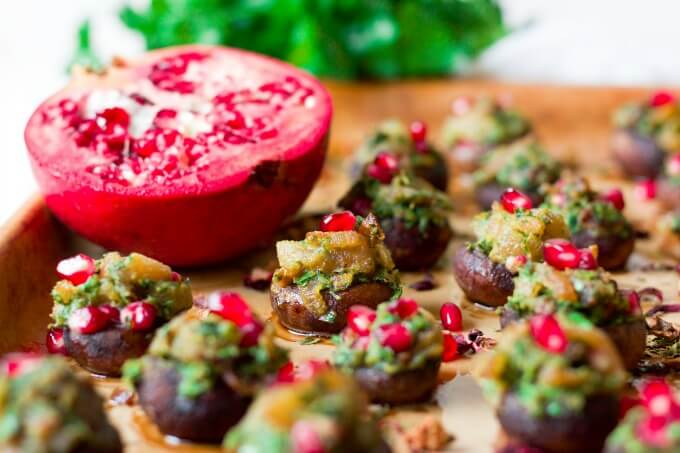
{"type": "Point", "coordinates": [573, 122]}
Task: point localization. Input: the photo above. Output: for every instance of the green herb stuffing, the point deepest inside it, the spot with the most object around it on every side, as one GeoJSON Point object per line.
{"type": "Point", "coordinates": [119, 281]}
{"type": "Point", "coordinates": [334, 38]}
{"type": "Point", "coordinates": [330, 403]}
{"type": "Point", "coordinates": [486, 123]}
{"type": "Point", "coordinates": [660, 123]}
{"type": "Point", "coordinates": [201, 350]}
{"type": "Point", "coordinates": [48, 408]}
{"type": "Point", "coordinates": [548, 383]}
{"type": "Point", "coordinates": [523, 165]}
{"type": "Point", "coordinates": [593, 294]}
{"type": "Point", "coordinates": [625, 437]}
{"type": "Point", "coordinates": [426, 347]}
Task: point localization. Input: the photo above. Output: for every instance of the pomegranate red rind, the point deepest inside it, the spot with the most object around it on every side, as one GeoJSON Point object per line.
{"type": "Point", "coordinates": [212, 150]}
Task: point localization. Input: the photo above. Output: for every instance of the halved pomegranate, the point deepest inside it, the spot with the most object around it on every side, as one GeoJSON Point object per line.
{"type": "Point", "coordinates": [192, 154]}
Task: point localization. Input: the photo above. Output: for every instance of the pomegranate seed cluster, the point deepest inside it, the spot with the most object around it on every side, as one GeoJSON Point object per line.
{"type": "Point", "coordinates": [395, 337]}
{"type": "Point", "coordinates": [164, 126]}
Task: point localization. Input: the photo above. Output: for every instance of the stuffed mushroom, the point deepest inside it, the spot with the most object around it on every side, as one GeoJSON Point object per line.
{"type": "Point", "coordinates": [412, 214]}
{"type": "Point", "coordinates": [594, 220]}
{"type": "Point", "coordinates": [651, 427]}
{"type": "Point", "coordinates": [105, 311]}
{"type": "Point", "coordinates": [507, 237]}
{"type": "Point", "coordinates": [646, 133]}
{"type": "Point", "coordinates": [523, 165]}
{"type": "Point", "coordinates": [327, 413]}
{"type": "Point", "coordinates": [322, 276]}
{"type": "Point", "coordinates": [46, 407]}
{"type": "Point", "coordinates": [394, 352]}
{"type": "Point", "coordinates": [555, 384]}
{"type": "Point", "coordinates": [588, 295]}
{"type": "Point", "coordinates": [478, 125]}
{"type": "Point", "coordinates": [393, 147]}
{"type": "Point", "coordinates": [201, 371]}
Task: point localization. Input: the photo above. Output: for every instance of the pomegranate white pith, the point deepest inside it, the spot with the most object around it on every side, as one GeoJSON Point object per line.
{"type": "Point", "coordinates": [192, 155]}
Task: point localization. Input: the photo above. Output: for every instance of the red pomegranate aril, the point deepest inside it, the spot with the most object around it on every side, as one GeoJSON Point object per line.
{"type": "Point", "coordinates": [54, 341]}
{"type": "Point", "coordinates": [339, 221]}
{"type": "Point", "coordinates": [513, 199]}
{"type": "Point", "coordinates": [646, 189]}
{"type": "Point", "coordinates": [139, 316]}
{"type": "Point", "coordinates": [384, 167]}
{"type": "Point", "coordinates": [561, 254]}
{"type": "Point", "coordinates": [634, 302]}
{"type": "Point", "coordinates": [395, 336]}
{"type": "Point", "coordinates": [77, 269]}
{"type": "Point", "coordinates": [286, 373]}
{"type": "Point", "coordinates": [587, 259]}
{"type": "Point", "coordinates": [657, 396]}
{"type": "Point", "coordinates": [451, 316]}
{"type": "Point", "coordinates": [404, 308]}
{"type": "Point", "coordinates": [661, 98]}
{"type": "Point", "coordinates": [305, 439]}
{"type": "Point", "coordinates": [653, 431]}
{"type": "Point", "coordinates": [85, 132]}
{"type": "Point", "coordinates": [88, 320]}
{"type": "Point", "coordinates": [16, 363]}
{"type": "Point", "coordinates": [114, 115]}
{"type": "Point", "coordinates": [450, 352]}
{"type": "Point", "coordinates": [231, 307]}
{"type": "Point", "coordinates": [548, 334]}
{"type": "Point", "coordinates": [360, 319]}
{"type": "Point", "coordinates": [615, 197]}
{"type": "Point", "coordinates": [112, 312]}
{"type": "Point", "coordinates": [673, 165]}
{"type": "Point", "coordinates": [308, 369]}
{"type": "Point", "coordinates": [251, 333]}
{"type": "Point", "coordinates": [144, 147]}
{"type": "Point", "coordinates": [418, 131]}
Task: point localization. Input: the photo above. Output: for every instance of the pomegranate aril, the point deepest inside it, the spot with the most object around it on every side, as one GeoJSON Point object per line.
{"type": "Point", "coordinates": [305, 439]}
{"type": "Point", "coordinates": [77, 269]}
{"type": "Point", "coordinates": [112, 312]}
{"type": "Point", "coordinates": [658, 398]}
{"type": "Point", "coordinates": [384, 167]}
{"type": "Point", "coordinates": [587, 259]}
{"type": "Point", "coordinates": [646, 190]}
{"type": "Point", "coordinates": [653, 431]}
{"type": "Point", "coordinates": [418, 131]}
{"type": "Point", "coordinates": [286, 373]}
{"type": "Point", "coordinates": [661, 98]}
{"type": "Point", "coordinates": [308, 369]}
{"type": "Point", "coordinates": [339, 221]}
{"type": "Point", "coordinates": [404, 308]}
{"type": "Point", "coordinates": [451, 316]}
{"type": "Point", "coordinates": [513, 199]}
{"type": "Point", "coordinates": [16, 363]}
{"type": "Point", "coordinates": [85, 132]}
{"type": "Point", "coordinates": [548, 334]}
{"type": "Point", "coordinates": [450, 351]}
{"type": "Point", "coordinates": [231, 307]}
{"type": "Point", "coordinates": [251, 333]}
{"type": "Point", "coordinates": [634, 302]}
{"type": "Point", "coordinates": [395, 336]}
{"type": "Point", "coordinates": [360, 319]}
{"type": "Point", "coordinates": [615, 197]}
{"type": "Point", "coordinates": [673, 165]}
{"type": "Point", "coordinates": [54, 341]}
{"type": "Point", "coordinates": [88, 320]}
{"type": "Point", "coordinates": [139, 316]}
{"type": "Point", "coordinates": [163, 116]}
{"type": "Point", "coordinates": [561, 254]}
{"type": "Point", "coordinates": [113, 115]}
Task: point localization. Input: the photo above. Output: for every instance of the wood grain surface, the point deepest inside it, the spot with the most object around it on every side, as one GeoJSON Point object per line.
{"type": "Point", "coordinates": [572, 121]}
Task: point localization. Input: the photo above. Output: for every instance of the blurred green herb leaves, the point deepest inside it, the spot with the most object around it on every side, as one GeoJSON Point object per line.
{"type": "Point", "coordinates": [345, 39]}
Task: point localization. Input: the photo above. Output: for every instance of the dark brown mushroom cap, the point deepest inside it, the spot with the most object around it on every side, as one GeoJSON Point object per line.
{"type": "Point", "coordinates": [106, 351]}
{"type": "Point", "coordinates": [406, 387]}
{"type": "Point", "coordinates": [413, 249]}
{"type": "Point", "coordinates": [639, 156]}
{"type": "Point", "coordinates": [613, 250]}
{"type": "Point", "coordinates": [486, 194]}
{"type": "Point", "coordinates": [292, 312]}
{"type": "Point", "coordinates": [578, 432]}
{"type": "Point", "coordinates": [481, 279]}
{"type": "Point", "coordinates": [205, 418]}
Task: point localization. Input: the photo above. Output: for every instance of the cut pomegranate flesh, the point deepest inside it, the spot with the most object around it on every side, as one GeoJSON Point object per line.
{"type": "Point", "coordinates": [548, 334]}
{"type": "Point", "coordinates": [360, 319]}
{"type": "Point", "coordinates": [451, 316]}
{"type": "Point", "coordinates": [76, 269]}
{"type": "Point", "coordinates": [191, 155]}
{"type": "Point", "coordinates": [561, 254]}
{"type": "Point", "coordinates": [513, 199]}
{"type": "Point", "coordinates": [339, 221]}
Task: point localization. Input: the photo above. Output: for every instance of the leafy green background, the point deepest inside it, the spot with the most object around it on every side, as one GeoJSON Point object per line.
{"type": "Point", "coordinates": [344, 39]}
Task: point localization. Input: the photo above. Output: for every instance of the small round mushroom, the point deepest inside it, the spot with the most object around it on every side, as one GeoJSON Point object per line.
{"type": "Point", "coordinates": [481, 279]}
